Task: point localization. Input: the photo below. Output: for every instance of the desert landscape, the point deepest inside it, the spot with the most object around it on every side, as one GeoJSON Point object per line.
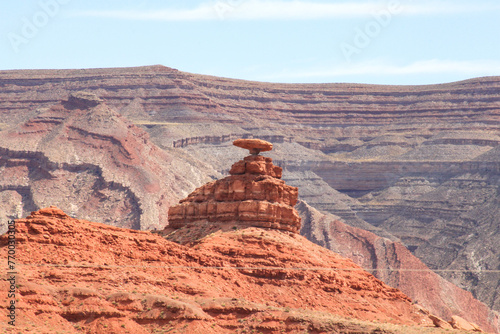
{"type": "Point", "coordinates": [385, 196]}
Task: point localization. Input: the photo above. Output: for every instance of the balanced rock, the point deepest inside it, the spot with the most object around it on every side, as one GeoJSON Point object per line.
{"type": "Point", "coordinates": [253, 195]}
{"type": "Point", "coordinates": [255, 146]}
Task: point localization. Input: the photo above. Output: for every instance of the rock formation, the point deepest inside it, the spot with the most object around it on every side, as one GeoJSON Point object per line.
{"type": "Point", "coordinates": [255, 146]}
{"type": "Point", "coordinates": [84, 99]}
{"type": "Point", "coordinates": [254, 195]}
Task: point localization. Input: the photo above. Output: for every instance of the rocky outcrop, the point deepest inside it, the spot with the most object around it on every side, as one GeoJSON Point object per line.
{"type": "Point", "coordinates": [253, 195]}
{"type": "Point", "coordinates": [460, 323]}
{"type": "Point", "coordinates": [80, 276]}
{"type": "Point", "coordinates": [84, 99]}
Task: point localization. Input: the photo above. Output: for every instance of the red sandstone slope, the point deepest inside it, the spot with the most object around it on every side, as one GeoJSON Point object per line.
{"type": "Point", "coordinates": [394, 264]}
{"type": "Point", "coordinates": [81, 277]}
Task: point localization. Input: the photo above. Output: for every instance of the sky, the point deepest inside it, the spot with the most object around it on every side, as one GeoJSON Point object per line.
{"type": "Point", "coordinates": [402, 42]}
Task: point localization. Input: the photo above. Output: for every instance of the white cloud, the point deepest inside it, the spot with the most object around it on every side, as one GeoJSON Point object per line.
{"type": "Point", "coordinates": [291, 10]}
{"type": "Point", "coordinates": [474, 68]}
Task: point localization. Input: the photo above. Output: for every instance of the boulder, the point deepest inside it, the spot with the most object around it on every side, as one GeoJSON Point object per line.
{"type": "Point", "coordinates": [255, 146]}
{"type": "Point", "coordinates": [462, 324]}
{"type": "Point", "coordinates": [440, 323]}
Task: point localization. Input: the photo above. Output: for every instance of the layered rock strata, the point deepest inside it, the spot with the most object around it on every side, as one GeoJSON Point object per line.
{"type": "Point", "coordinates": [86, 158]}
{"type": "Point", "coordinates": [252, 195]}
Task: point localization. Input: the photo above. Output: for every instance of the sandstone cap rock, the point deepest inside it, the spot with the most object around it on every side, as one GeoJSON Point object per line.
{"type": "Point", "coordinates": [86, 99]}
{"type": "Point", "coordinates": [253, 195]}
{"type": "Point", "coordinates": [255, 146]}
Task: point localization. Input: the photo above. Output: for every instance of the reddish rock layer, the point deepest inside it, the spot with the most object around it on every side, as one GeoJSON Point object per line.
{"type": "Point", "coordinates": [84, 277]}
{"type": "Point", "coordinates": [252, 196]}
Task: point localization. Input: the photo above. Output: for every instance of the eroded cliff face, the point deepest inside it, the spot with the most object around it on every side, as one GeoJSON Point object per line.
{"type": "Point", "coordinates": [416, 164]}
{"type": "Point", "coordinates": [87, 158]}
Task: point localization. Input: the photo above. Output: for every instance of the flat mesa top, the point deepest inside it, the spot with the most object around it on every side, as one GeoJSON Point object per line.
{"type": "Point", "coordinates": [255, 146]}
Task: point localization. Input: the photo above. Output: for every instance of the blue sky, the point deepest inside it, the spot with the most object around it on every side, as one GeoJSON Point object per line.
{"type": "Point", "coordinates": [383, 42]}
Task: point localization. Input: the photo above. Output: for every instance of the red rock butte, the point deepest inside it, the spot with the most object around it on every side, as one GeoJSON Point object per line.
{"type": "Point", "coordinates": [253, 195]}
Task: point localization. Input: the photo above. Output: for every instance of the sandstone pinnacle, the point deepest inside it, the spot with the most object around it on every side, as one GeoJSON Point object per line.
{"type": "Point", "coordinates": [253, 195]}
{"type": "Point", "coordinates": [255, 146]}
